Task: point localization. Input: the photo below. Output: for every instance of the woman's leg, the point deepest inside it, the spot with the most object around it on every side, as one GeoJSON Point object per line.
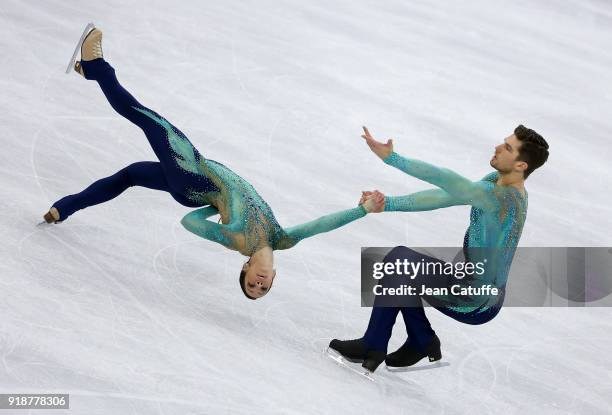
{"type": "Point", "coordinates": [178, 157]}
{"type": "Point", "coordinates": [144, 173]}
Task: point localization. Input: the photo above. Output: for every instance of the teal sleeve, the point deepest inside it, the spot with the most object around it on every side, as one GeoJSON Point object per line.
{"type": "Point", "coordinates": [324, 224]}
{"type": "Point", "coordinates": [420, 201]}
{"type": "Point", "coordinates": [461, 188]}
{"type": "Point", "coordinates": [196, 222]}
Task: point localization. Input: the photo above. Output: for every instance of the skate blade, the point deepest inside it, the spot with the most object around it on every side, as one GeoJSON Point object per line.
{"type": "Point", "coordinates": [417, 368]}
{"type": "Point", "coordinates": [78, 47]}
{"type": "Point", "coordinates": [339, 359]}
{"type": "Point", "coordinates": [44, 223]}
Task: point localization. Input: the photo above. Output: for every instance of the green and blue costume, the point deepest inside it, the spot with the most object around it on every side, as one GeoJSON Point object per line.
{"type": "Point", "coordinates": [248, 223]}
{"type": "Point", "coordinates": [497, 218]}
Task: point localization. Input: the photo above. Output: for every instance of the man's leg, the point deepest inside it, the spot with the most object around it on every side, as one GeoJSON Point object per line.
{"type": "Point", "coordinates": [420, 333]}
{"type": "Point", "coordinates": [178, 157]}
{"type": "Point", "coordinates": [422, 340]}
{"type": "Point", "coordinates": [371, 349]}
{"type": "Point", "coordinates": [421, 337]}
{"type": "Point", "coordinates": [386, 308]}
{"type": "Point", "coordinates": [382, 319]}
{"type": "Point", "coordinates": [380, 327]}
{"type": "Point", "coordinates": [145, 173]}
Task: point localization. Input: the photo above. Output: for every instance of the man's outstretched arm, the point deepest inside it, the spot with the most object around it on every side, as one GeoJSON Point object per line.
{"type": "Point", "coordinates": [420, 201]}
{"type": "Point", "coordinates": [462, 190]}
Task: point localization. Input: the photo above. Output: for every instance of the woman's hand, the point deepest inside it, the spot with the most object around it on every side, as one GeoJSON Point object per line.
{"type": "Point", "coordinates": [381, 150]}
{"type": "Point", "coordinates": [373, 202]}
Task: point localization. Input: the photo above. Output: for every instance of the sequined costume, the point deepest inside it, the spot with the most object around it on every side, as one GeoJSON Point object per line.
{"type": "Point", "coordinates": [248, 223]}
{"type": "Point", "coordinates": [496, 221]}
{"type": "Point", "coordinates": [497, 218]}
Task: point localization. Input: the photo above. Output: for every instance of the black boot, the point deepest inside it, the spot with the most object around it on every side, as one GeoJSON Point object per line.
{"type": "Point", "coordinates": [356, 351]}
{"type": "Point", "coordinates": [352, 350]}
{"type": "Point", "coordinates": [408, 355]}
{"type": "Point", "coordinates": [373, 359]}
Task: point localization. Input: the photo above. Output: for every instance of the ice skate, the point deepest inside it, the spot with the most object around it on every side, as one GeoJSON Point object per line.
{"type": "Point", "coordinates": [90, 45]}
{"type": "Point", "coordinates": [404, 359]}
{"type": "Point", "coordinates": [355, 351]}
{"type": "Point", "coordinates": [52, 216]}
{"type": "Point", "coordinates": [352, 350]}
{"type": "Point", "coordinates": [342, 361]}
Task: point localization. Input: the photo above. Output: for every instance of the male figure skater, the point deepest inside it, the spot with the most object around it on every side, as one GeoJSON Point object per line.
{"type": "Point", "coordinates": [499, 208]}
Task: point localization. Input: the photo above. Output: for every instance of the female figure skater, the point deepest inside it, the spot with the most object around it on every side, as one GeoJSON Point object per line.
{"type": "Point", "coordinates": [247, 222]}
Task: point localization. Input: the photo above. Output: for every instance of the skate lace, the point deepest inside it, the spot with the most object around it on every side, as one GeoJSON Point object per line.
{"type": "Point", "coordinates": [97, 49]}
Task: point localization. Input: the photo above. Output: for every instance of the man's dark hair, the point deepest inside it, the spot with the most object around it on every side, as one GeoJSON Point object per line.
{"type": "Point", "coordinates": [241, 280]}
{"type": "Point", "coordinates": [533, 150]}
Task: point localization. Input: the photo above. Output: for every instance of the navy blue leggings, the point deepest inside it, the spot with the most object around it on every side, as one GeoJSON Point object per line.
{"type": "Point", "coordinates": [164, 174]}
{"type": "Point", "coordinates": [418, 328]}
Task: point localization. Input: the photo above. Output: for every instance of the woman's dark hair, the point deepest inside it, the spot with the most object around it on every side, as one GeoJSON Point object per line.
{"type": "Point", "coordinates": [241, 280]}
{"type": "Point", "coordinates": [533, 150]}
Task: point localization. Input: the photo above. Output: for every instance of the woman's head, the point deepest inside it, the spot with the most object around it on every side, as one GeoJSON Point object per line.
{"type": "Point", "coordinates": [257, 275]}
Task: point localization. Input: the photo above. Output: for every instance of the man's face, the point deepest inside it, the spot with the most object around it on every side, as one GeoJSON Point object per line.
{"type": "Point", "coordinates": [504, 159]}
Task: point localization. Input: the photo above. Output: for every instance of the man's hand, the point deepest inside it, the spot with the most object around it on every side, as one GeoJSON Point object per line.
{"type": "Point", "coordinates": [381, 150]}
{"type": "Point", "coordinates": [373, 202]}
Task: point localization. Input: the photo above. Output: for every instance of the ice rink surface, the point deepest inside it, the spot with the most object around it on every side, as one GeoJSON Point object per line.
{"type": "Point", "coordinates": [131, 314]}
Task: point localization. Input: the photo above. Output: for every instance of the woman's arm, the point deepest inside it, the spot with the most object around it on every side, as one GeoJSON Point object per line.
{"type": "Point", "coordinates": [196, 222]}
{"type": "Point", "coordinates": [324, 224]}
{"type": "Point", "coordinates": [294, 234]}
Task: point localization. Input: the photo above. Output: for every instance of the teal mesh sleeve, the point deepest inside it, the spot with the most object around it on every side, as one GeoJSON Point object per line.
{"type": "Point", "coordinates": [471, 193]}
{"type": "Point", "coordinates": [324, 224]}
{"type": "Point", "coordinates": [420, 201]}
{"type": "Point", "coordinates": [196, 222]}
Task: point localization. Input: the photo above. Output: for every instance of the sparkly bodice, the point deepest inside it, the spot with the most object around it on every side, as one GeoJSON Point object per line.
{"type": "Point", "coordinates": [247, 222]}
{"type": "Point", "coordinates": [497, 218]}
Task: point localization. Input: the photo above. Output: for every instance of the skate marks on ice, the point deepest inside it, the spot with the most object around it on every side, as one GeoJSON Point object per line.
{"type": "Point", "coordinates": [78, 47]}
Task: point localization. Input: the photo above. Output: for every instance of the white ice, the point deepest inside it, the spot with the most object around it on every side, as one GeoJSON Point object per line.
{"type": "Point", "coordinates": [131, 314]}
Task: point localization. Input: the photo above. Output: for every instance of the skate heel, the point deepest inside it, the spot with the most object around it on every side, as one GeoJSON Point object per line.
{"type": "Point", "coordinates": [373, 360]}
{"type": "Point", "coordinates": [435, 355]}
{"type": "Point", "coordinates": [52, 216]}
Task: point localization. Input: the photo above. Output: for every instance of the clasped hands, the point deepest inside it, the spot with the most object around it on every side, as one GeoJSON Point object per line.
{"type": "Point", "coordinates": [374, 202]}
